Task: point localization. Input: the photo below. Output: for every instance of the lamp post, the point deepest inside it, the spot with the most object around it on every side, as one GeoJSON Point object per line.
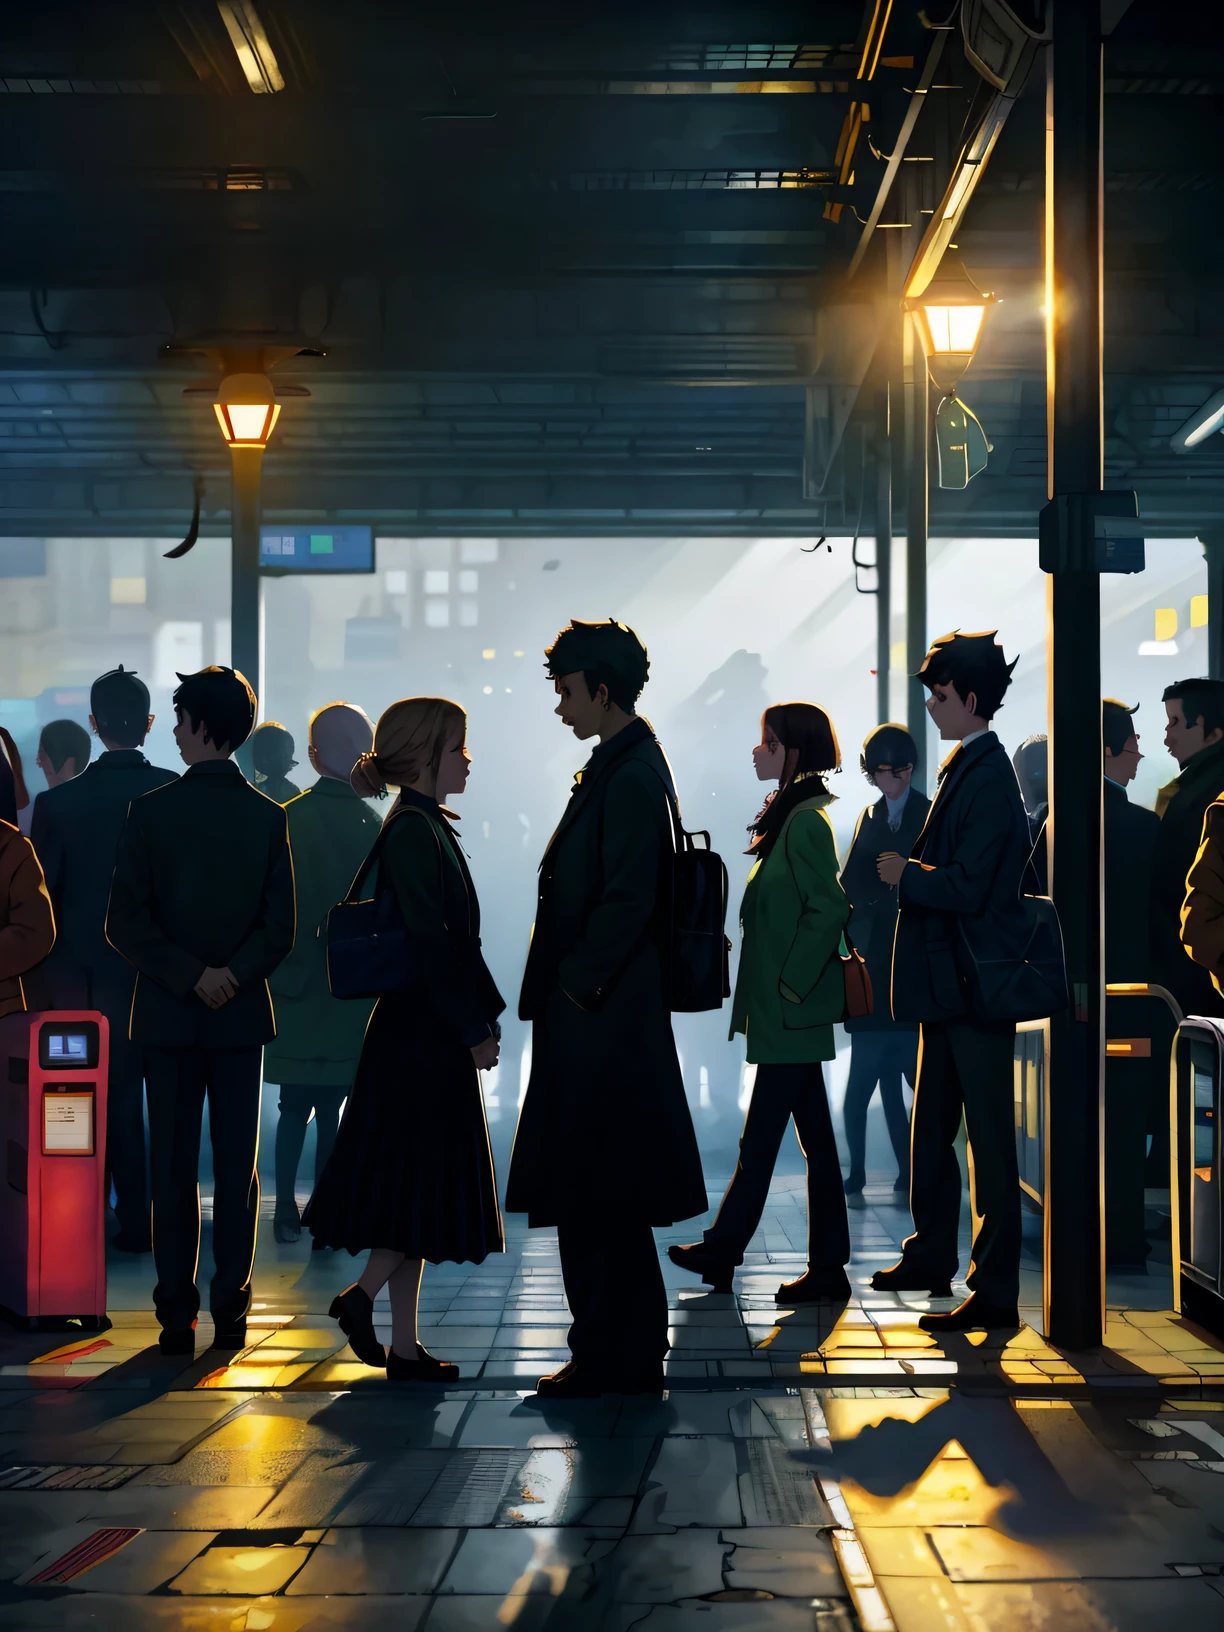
{"type": "Point", "coordinates": [948, 316]}
{"type": "Point", "coordinates": [247, 411]}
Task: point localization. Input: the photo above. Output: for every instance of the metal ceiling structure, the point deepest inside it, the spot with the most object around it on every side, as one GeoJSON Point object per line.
{"type": "Point", "coordinates": [616, 269]}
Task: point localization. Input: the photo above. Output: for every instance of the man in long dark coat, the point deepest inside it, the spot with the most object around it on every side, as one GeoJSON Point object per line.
{"type": "Point", "coordinates": [605, 1147]}
{"type": "Point", "coordinates": [202, 905]}
{"type": "Point", "coordinates": [75, 829]}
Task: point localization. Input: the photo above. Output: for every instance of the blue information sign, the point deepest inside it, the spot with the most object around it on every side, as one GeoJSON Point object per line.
{"type": "Point", "coordinates": [316, 549]}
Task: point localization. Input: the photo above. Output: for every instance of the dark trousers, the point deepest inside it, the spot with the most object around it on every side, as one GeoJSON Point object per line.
{"type": "Point", "coordinates": [297, 1100]}
{"type": "Point", "coordinates": [966, 1067]}
{"type": "Point", "coordinates": [178, 1080]}
{"type": "Point", "coordinates": [614, 1285]}
{"type": "Point", "coordinates": [883, 1057]}
{"type": "Point", "coordinates": [780, 1092]}
{"type": "Point", "coordinates": [126, 1165]}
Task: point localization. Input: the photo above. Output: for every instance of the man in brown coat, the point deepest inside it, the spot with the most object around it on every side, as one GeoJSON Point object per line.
{"type": "Point", "coordinates": [1202, 913]}
{"type": "Point", "coordinates": [27, 925]}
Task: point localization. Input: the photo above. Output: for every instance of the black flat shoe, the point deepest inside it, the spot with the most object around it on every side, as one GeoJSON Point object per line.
{"type": "Point", "coordinates": [230, 1338]}
{"type": "Point", "coordinates": [286, 1231]}
{"type": "Point", "coordinates": [699, 1260]}
{"type": "Point", "coordinates": [424, 1369]}
{"type": "Point", "coordinates": [353, 1312]}
{"type": "Point", "coordinates": [177, 1342]}
{"type": "Point", "coordinates": [901, 1278]}
{"type": "Point", "coordinates": [812, 1288]}
{"type": "Point", "coordinates": [572, 1382]}
{"type": "Point", "coordinates": [972, 1315]}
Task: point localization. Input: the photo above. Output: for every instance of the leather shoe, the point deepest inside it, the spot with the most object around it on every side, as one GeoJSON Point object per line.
{"type": "Point", "coordinates": [286, 1230]}
{"type": "Point", "coordinates": [230, 1338]}
{"type": "Point", "coordinates": [578, 1382]}
{"type": "Point", "coordinates": [972, 1315]}
{"type": "Point", "coordinates": [902, 1278]}
{"type": "Point", "coordinates": [353, 1311]}
{"type": "Point", "coordinates": [182, 1342]}
{"type": "Point", "coordinates": [424, 1369]}
{"type": "Point", "coordinates": [699, 1260]}
{"type": "Point", "coordinates": [829, 1287]}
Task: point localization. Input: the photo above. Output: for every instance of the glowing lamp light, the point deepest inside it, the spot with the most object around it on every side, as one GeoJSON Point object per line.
{"type": "Point", "coordinates": [949, 317]}
{"type": "Point", "coordinates": [246, 410]}
{"type": "Point", "coordinates": [1204, 423]}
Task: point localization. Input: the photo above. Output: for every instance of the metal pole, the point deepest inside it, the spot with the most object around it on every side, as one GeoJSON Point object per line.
{"type": "Point", "coordinates": [1213, 549]}
{"type": "Point", "coordinates": [1074, 1233]}
{"type": "Point", "coordinates": [918, 457]}
{"type": "Point", "coordinates": [246, 619]}
{"type": "Point", "coordinates": [883, 545]}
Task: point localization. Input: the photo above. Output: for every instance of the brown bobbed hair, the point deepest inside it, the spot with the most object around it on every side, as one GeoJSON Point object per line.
{"type": "Point", "coordinates": [806, 733]}
{"type": "Point", "coordinates": [409, 738]}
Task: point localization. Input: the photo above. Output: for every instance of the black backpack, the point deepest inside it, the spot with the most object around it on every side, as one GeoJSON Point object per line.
{"type": "Point", "coordinates": [700, 975]}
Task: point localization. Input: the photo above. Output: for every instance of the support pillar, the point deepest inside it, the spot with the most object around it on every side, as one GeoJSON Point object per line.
{"type": "Point", "coordinates": [1213, 550]}
{"type": "Point", "coordinates": [246, 602]}
{"type": "Point", "coordinates": [1074, 1256]}
{"type": "Point", "coordinates": [883, 547]}
{"type": "Point", "coordinates": [918, 460]}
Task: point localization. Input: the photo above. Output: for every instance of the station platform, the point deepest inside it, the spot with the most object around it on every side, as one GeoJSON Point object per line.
{"type": "Point", "coordinates": [803, 1471]}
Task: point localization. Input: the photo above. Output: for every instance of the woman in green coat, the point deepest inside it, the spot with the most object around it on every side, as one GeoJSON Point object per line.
{"type": "Point", "coordinates": [789, 994]}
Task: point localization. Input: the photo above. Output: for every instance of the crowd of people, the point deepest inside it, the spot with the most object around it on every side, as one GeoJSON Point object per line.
{"type": "Point", "coordinates": [191, 909]}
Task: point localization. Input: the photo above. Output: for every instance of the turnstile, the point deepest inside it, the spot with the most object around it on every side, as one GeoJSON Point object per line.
{"type": "Point", "coordinates": [1140, 1023]}
{"type": "Point", "coordinates": [1195, 1094]}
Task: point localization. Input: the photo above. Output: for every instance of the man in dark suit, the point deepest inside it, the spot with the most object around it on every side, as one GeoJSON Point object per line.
{"type": "Point", "coordinates": [958, 899]}
{"type": "Point", "coordinates": [75, 828]}
{"type": "Point", "coordinates": [1195, 738]}
{"type": "Point", "coordinates": [882, 1050]}
{"type": "Point", "coordinates": [1136, 1097]}
{"type": "Point", "coordinates": [202, 906]}
{"type": "Point", "coordinates": [605, 1147]}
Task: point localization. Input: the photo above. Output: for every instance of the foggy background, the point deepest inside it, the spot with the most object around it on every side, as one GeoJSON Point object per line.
{"type": "Point", "coordinates": [731, 625]}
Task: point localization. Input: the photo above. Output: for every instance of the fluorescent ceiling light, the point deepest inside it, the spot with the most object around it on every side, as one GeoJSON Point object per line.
{"type": "Point", "coordinates": [1200, 425]}
{"type": "Point", "coordinates": [250, 42]}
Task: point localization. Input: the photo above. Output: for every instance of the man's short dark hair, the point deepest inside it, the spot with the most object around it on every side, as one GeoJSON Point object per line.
{"type": "Point", "coordinates": [888, 745]}
{"type": "Point", "coordinates": [1117, 723]}
{"type": "Point", "coordinates": [119, 703]}
{"type": "Point", "coordinates": [1200, 700]}
{"type": "Point", "coordinates": [970, 663]}
{"type": "Point", "coordinates": [272, 749]}
{"type": "Point", "coordinates": [62, 740]}
{"type": "Point", "coordinates": [220, 700]}
{"type": "Point", "coordinates": [607, 654]}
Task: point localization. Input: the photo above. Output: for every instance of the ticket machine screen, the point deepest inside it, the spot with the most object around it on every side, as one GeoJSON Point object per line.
{"type": "Point", "coordinates": [68, 1047]}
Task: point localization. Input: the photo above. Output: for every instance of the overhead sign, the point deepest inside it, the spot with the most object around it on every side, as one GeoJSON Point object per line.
{"type": "Point", "coordinates": [316, 549]}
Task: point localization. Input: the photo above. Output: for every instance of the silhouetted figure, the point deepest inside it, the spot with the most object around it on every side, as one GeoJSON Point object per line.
{"type": "Point", "coordinates": [63, 751]}
{"type": "Point", "coordinates": [883, 1051]}
{"type": "Point", "coordinates": [958, 900]}
{"type": "Point", "coordinates": [27, 925]}
{"type": "Point", "coordinates": [1195, 738]}
{"type": "Point", "coordinates": [1137, 1088]}
{"type": "Point", "coordinates": [789, 993]}
{"type": "Point", "coordinates": [272, 757]}
{"type": "Point", "coordinates": [202, 905]}
{"type": "Point", "coordinates": [75, 829]}
{"type": "Point", "coordinates": [411, 1175]}
{"type": "Point", "coordinates": [13, 795]}
{"type": "Point", "coordinates": [605, 1147]}
{"type": "Point", "coordinates": [1031, 763]}
{"type": "Point", "coordinates": [318, 1037]}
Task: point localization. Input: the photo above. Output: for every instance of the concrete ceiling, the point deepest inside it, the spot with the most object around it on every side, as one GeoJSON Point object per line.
{"type": "Point", "coordinates": [572, 269]}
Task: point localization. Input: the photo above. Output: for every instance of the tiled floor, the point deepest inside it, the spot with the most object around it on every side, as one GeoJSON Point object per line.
{"type": "Point", "coordinates": [803, 1471]}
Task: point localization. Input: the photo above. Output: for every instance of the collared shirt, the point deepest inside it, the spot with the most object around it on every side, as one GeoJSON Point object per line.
{"type": "Point", "coordinates": [973, 736]}
{"type": "Point", "coordinates": [896, 809]}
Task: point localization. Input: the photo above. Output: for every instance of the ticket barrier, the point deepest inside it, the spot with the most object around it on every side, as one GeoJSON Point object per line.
{"type": "Point", "coordinates": [1137, 1007]}
{"type": "Point", "coordinates": [1198, 1071]}
{"type": "Point", "coordinates": [53, 1079]}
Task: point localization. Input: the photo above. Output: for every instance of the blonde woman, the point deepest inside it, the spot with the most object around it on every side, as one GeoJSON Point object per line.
{"type": "Point", "coordinates": [411, 1174]}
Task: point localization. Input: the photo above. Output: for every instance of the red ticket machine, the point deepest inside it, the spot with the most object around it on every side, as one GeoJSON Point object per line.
{"type": "Point", "coordinates": [53, 1075]}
